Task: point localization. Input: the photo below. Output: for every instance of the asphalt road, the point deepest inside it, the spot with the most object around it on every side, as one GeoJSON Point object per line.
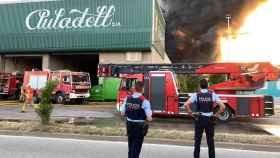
{"type": "Point", "coordinates": [35, 147]}
{"type": "Point", "coordinates": [60, 112]}
{"type": "Point", "coordinates": [10, 110]}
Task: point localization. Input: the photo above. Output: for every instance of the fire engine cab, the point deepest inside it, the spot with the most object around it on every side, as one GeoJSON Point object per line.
{"type": "Point", "coordinates": [71, 85]}
{"type": "Point", "coordinates": [161, 86]}
{"type": "Point", "coordinates": [10, 84]}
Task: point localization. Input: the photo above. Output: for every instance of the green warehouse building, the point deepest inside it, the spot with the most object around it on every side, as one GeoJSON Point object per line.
{"type": "Point", "coordinates": [79, 34]}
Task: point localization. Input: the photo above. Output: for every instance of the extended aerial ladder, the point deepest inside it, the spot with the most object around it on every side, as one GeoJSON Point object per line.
{"type": "Point", "coordinates": [161, 85]}
{"type": "Point", "coordinates": [242, 76]}
{"type": "Point", "coordinates": [117, 69]}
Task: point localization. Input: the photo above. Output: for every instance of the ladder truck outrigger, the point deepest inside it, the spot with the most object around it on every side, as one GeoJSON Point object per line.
{"type": "Point", "coordinates": [161, 86]}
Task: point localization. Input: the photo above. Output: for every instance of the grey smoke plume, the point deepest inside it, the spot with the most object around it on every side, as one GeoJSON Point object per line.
{"type": "Point", "coordinates": [193, 26]}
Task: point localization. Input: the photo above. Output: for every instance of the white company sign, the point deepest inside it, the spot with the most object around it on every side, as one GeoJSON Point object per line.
{"type": "Point", "coordinates": [45, 19]}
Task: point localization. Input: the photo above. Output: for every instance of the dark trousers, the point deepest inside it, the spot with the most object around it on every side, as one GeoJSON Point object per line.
{"type": "Point", "coordinates": [135, 138]}
{"type": "Point", "coordinates": [204, 124]}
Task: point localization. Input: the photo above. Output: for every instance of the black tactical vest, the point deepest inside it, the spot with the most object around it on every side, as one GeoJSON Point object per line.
{"type": "Point", "coordinates": [133, 108]}
{"type": "Point", "coordinates": [204, 102]}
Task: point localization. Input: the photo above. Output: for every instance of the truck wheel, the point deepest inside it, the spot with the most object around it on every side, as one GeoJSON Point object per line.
{"type": "Point", "coordinates": [226, 115]}
{"type": "Point", "coordinates": [59, 98]}
{"type": "Point", "coordinates": [36, 100]}
{"type": "Point", "coordinates": [83, 101]}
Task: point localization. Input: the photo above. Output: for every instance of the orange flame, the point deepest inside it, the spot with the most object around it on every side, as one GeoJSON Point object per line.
{"type": "Point", "coordinates": [258, 39]}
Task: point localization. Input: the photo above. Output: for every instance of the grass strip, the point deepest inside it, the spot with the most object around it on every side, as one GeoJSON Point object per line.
{"type": "Point", "coordinates": [112, 130]}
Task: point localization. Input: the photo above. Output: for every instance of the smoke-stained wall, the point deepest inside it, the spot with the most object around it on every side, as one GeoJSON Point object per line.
{"type": "Point", "coordinates": [194, 26]}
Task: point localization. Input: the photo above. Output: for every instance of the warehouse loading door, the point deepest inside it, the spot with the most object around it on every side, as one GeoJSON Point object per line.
{"type": "Point", "coordinates": [22, 63]}
{"type": "Point", "coordinates": [77, 62]}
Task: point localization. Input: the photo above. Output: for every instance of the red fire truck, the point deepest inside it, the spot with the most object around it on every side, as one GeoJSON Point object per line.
{"type": "Point", "coordinates": [10, 84]}
{"type": "Point", "coordinates": [161, 86]}
{"type": "Point", "coordinates": [71, 85]}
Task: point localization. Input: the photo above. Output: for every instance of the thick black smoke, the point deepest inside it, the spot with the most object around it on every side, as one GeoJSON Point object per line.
{"type": "Point", "coordinates": [193, 26]}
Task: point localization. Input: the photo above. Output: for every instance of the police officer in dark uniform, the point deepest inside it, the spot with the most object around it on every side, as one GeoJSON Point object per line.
{"type": "Point", "coordinates": [204, 117]}
{"type": "Point", "coordinates": [137, 110]}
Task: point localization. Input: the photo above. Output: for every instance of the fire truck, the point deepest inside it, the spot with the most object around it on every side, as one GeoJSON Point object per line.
{"type": "Point", "coordinates": [10, 84]}
{"type": "Point", "coordinates": [72, 86]}
{"type": "Point", "coordinates": [161, 86]}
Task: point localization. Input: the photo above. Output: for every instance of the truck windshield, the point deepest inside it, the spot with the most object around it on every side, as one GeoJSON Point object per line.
{"type": "Point", "coordinates": [80, 79]}
{"type": "Point", "coordinates": [127, 84]}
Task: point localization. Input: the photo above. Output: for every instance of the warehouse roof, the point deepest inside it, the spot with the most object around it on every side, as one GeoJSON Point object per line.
{"type": "Point", "coordinates": [72, 25]}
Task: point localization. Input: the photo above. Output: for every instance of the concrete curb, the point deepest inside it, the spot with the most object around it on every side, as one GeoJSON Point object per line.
{"type": "Point", "coordinates": [225, 145]}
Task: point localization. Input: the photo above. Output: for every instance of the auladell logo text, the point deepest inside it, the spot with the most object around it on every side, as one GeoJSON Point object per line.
{"type": "Point", "coordinates": [45, 19]}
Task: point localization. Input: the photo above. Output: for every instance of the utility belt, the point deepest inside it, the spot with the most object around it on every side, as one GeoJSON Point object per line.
{"type": "Point", "coordinates": [204, 117]}
{"type": "Point", "coordinates": [135, 127]}
{"type": "Point", "coordinates": [135, 121]}
{"type": "Point", "coordinates": [207, 114]}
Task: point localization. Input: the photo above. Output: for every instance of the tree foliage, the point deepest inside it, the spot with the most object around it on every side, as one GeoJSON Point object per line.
{"type": "Point", "coordinates": [217, 78]}
{"type": "Point", "coordinates": [190, 83]}
{"type": "Point", "coordinates": [45, 108]}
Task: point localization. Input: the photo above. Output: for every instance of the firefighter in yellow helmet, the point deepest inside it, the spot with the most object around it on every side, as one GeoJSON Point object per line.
{"type": "Point", "coordinates": [28, 97]}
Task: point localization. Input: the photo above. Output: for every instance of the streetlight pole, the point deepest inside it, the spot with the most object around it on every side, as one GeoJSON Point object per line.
{"type": "Point", "coordinates": [228, 17]}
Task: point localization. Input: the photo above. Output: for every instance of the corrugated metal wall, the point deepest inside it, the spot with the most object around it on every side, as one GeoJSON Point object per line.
{"type": "Point", "coordinates": [133, 33]}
